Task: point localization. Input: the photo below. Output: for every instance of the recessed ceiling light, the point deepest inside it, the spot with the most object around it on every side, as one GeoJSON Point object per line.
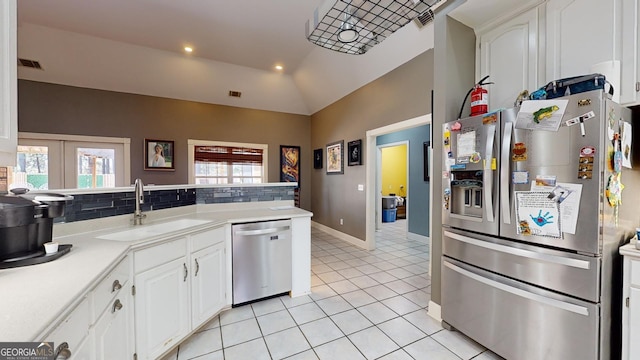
{"type": "Point", "coordinates": [279, 67]}
{"type": "Point", "coordinates": [188, 49]}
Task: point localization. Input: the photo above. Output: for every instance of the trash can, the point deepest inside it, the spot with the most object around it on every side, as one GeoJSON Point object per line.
{"type": "Point", "coordinates": [388, 202]}
{"type": "Point", "coordinates": [388, 215]}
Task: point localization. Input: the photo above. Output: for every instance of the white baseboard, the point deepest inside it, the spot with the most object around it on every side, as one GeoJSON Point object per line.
{"type": "Point", "coordinates": [340, 235]}
{"type": "Point", "coordinates": [435, 311]}
{"type": "Point", "coordinates": [418, 237]}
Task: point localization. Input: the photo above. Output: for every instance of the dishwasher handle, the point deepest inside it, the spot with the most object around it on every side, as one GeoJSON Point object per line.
{"type": "Point", "coordinates": [262, 231]}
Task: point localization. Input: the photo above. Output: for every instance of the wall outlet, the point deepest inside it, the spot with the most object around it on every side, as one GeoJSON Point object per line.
{"type": "Point", "coordinates": [360, 187]}
{"type": "Point", "coordinates": [341, 222]}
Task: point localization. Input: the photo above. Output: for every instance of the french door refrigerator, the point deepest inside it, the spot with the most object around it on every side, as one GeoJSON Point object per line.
{"type": "Point", "coordinates": [530, 227]}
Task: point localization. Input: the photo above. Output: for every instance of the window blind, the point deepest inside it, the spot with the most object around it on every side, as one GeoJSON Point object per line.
{"type": "Point", "coordinates": [228, 154]}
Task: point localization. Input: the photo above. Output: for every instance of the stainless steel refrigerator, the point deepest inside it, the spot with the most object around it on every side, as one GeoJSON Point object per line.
{"type": "Point", "coordinates": [530, 238]}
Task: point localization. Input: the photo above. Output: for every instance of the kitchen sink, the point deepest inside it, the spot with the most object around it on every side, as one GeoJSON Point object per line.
{"type": "Point", "coordinates": [147, 231]}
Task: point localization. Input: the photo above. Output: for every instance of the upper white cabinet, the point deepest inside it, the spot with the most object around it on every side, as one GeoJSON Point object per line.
{"type": "Point", "coordinates": [508, 52]}
{"type": "Point", "coordinates": [8, 83]}
{"type": "Point", "coordinates": [580, 34]}
{"type": "Point", "coordinates": [630, 62]}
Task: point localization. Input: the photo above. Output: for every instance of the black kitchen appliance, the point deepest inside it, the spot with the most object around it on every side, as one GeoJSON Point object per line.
{"type": "Point", "coordinates": [26, 224]}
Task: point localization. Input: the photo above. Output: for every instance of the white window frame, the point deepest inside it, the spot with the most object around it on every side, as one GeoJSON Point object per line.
{"type": "Point", "coordinates": [192, 143]}
{"type": "Point", "coordinates": [97, 140]}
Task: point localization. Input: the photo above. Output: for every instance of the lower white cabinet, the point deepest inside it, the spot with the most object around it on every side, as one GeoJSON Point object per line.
{"type": "Point", "coordinates": [208, 283]}
{"type": "Point", "coordinates": [631, 303]}
{"type": "Point", "coordinates": [179, 285]}
{"type": "Point", "coordinates": [112, 332]}
{"type": "Point", "coordinates": [162, 308]}
{"type": "Point", "coordinates": [100, 327]}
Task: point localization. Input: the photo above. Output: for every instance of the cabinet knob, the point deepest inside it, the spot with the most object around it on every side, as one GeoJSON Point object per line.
{"type": "Point", "coordinates": [117, 305]}
{"type": "Point", "coordinates": [62, 352]}
{"type": "Point", "coordinates": [116, 286]}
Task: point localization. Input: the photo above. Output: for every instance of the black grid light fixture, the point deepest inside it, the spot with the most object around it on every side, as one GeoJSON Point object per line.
{"type": "Point", "coordinates": [355, 26]}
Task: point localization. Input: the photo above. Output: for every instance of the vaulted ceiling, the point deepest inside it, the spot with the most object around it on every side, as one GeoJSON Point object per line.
{"type": "Point", "coordinates": [137, 46]}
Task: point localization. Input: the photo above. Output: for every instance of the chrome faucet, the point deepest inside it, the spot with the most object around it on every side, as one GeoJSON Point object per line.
{"type": "Point", "coordinates": [137, 214]}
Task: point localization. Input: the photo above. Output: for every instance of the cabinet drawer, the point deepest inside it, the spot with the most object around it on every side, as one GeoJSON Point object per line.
{"type": "Point", "coordinates": [159, 254]}
{"type": "Point", "coordinates": [109, 287]}
{"type": "Point", "coordinates": [635, 272]}
{"type": "Point", "coordinates": [207, 238]}
{"type": "Point", "coordinates": [73, 329]}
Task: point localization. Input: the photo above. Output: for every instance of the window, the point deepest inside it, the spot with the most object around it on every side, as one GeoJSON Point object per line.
{"type": "Point", "coordinates": [227, 163]}
{"type": "Point", "coordinates": [52, 161]}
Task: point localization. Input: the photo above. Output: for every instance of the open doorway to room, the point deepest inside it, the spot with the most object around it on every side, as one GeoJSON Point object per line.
{"type": "Point", "coordinates": [392, 181]}
{"type": "Point", "coordinates": [415, 132]}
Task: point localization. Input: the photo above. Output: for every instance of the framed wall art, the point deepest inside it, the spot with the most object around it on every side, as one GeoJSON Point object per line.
{"type": "Point", "coordinates": [290, 163]}
{"type": "Point", "coordinates": [317, 159]}
{"type": "Point", "coordinates": [335, 156]}
{"type": "Point", "coordinates": [158, 155]}
{"type": "Point", "coordinates": [354, 149]}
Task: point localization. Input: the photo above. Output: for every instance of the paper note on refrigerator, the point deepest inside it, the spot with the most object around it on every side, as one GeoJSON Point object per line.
{"type": "Point", "coordinates": [541, 114]}
{"type": "Point", "coordinates": [625, 146]}
{"type": "Point", "coordinates": [537, 214]}
{"type": "Point", "coordinates": [568, 196]}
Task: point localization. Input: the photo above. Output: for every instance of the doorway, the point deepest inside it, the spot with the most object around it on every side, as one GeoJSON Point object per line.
{"type": "Point", "coordinates": [373, 203]}
{"type": "Point", "coordinates": [392, 177]}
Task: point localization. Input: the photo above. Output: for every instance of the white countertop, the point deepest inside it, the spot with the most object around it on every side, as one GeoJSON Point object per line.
{"type": "Point", "coordinates": [630, 250]}
{"type": "Point", "coordinates": [34, 296]}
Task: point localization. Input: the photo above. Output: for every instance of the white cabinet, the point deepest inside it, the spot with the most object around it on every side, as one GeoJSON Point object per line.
{"type": "Point", "coordinates": [112, 314]}
{"type": "Point", "coordinates": [113, 335]}
{"type": "Point", "coordinates": [162, 314]}
{"type": "Point", "coordinates": [630, 61]}
{"type": "Point", "coordinates": [208, 283]}
{"type": "Point", "coordinates": [179, 285]}
{"type": "Point", "coordinates": [100, 327]}
{"type": "Point", "coordinates": [631, 303]}
{"type": "Point", "coordinates": [8, 82]}
{"type": "Point", "coordinates": [74, 332]}
{"type": "Point", "coordinates": [508, 52]}
{"type": "Point", "coordinates": [580, 34]}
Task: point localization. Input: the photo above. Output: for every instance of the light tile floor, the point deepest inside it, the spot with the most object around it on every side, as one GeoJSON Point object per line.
{"type": "Point", "coordinates": [364, 305]}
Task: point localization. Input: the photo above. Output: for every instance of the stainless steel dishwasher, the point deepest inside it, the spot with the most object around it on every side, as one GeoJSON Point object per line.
{"type": "Point", "coordinates": [261, 258]}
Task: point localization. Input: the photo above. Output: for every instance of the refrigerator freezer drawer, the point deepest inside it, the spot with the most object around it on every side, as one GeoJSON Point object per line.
{"type": "Point", "coordinates": [515, 320]}
{"type": "Point", "coordinates": [568, 273]}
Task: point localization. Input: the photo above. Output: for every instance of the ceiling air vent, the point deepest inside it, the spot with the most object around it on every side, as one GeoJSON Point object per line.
{"type": "Point", "coordinates": [424, 18]}
{"type": "Point", "coordinates": [233, 93]}
{"type": "Point", "coordinates": [29, 63]}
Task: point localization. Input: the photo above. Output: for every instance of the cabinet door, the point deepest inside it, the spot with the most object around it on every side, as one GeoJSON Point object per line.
{"type": "Point", "coordinates": [113, 331]}
{"type": "Point", "coordinates": [509, 54]}
{"type": "Point", "coordinates": [630, 59]}
{"type": "Point", "coordinates": [634, 323]}
{"type": "Point", "coordinates": [8, 82]}
{"type": "Point", "coordinates": [208, 285]}
{"type": "Point", "coordinates": [580, 34]}
{"type": "Point", "coordinates": [162, 311]}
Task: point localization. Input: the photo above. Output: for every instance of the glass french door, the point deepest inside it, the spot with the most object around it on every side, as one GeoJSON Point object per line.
{"type": "Point", "coordinates": [64, 164]}
{"type": "Point", "coordinates": [94, 165]}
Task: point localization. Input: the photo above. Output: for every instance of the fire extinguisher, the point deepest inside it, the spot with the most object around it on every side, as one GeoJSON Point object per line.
{"type": "Point", "coordinates": [479, 98]}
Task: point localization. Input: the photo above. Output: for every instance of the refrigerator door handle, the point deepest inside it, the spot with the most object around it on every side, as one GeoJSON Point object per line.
{"type": "Point", "coordinates": [560, 260]}
{"type": "Point", "coordinates": [577, 309]}
{"type": "Point", "coordinates": [487, 174]}
{"type": "Point", "coordinates": [505, 191]}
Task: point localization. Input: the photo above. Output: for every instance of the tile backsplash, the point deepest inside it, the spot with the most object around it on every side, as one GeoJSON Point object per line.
{"type": "Point", "coordinates": [99, 205]}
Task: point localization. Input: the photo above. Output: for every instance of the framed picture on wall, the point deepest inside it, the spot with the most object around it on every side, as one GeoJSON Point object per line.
{"type": "Point", "coordinates": [317, 159]}
{"type": "Point", "coordinates": [354, 149]}
{"type": "Point", "coordinates": [335, 156]}
{"type": "Point", "coordinates": [158, 155]}
{"type": "Point", "coordinates": [290, 163]}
